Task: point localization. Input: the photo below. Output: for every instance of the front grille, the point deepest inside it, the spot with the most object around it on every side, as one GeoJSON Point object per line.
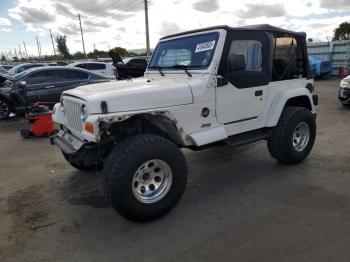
{"type": "Point", "coordinates": [73, 113]}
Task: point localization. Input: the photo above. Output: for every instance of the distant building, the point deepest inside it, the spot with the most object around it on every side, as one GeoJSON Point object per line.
{"type": "Point", "coordinates": [140, 51]}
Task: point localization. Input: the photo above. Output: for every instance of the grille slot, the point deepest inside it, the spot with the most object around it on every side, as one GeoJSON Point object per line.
{"type": "Point", "coordinates": [72, 112]}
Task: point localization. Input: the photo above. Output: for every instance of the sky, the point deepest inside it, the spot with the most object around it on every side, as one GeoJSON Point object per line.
{"type": "Point", "coordinates": [110, 23]}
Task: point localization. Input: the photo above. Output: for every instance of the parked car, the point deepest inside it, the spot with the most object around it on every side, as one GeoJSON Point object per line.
{"type": "Point", "coordinates": [43, 84]}
{"type": "Point", "coordinates": [7, 67]}
{"type": "Point", "coordinates": [3, 70]}
{"type": "Point", "coordinates": [129, 67]}
{"type": "Point", "coordinates": [23, 67]}
{"type": "Point", "coordinates": [202, 88]}
{"type": "Point", "coordinates": [344, 91]}
{"type": "Point", "coordinates": [105, 69]}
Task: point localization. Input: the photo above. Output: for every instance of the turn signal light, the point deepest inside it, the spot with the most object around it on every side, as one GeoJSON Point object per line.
{"type": "Point", "coordinates": [89, 127]}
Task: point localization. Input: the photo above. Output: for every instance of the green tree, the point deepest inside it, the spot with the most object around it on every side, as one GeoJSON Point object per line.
{"type": "Point", "coordinates": [119, 50]}
{"type": "Point", "coordinates": [78, 55]}
{"type": "Point", "coordinates": [3, 58]}
{"type": "Point", "coordinates": [97, 53]}
{"type": "Point", "coordinates": [342, 32]}
{"type": "Point", "coordinates": [61, 42]}
{"type": "Point", "coordinates": [310, 40]}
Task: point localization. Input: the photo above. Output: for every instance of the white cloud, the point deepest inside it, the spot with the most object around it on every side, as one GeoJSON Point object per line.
{"type": "Point", "coordinates": [122, 23]}
{"type": "Point", "coordinates": [4, 22]}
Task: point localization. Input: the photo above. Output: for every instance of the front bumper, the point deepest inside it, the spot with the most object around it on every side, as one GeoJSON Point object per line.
{"type": "Point", "coordinates": [344, 95]}
{"type": "Point", "coordinates": [78, 151]}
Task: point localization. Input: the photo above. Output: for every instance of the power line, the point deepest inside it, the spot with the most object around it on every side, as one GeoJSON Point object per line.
{"type": "Point", "coordinates": [130, 7]}
{"type": "Point", "coordinates": [124, 6]}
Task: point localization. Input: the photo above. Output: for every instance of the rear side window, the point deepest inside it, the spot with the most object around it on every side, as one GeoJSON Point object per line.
{"type": "Point", "coordinates": [71, 75]}
{"type": "Point", "coordinates": [252, 52]}
{"type": "Point", "coordinates": [288, 59]}
{"type": "Point", "coordinates": [96, 66]}
{"type": "Point", "coordinates": [81, 66]}
{"type": "Point", "coordinates": [42, 77]}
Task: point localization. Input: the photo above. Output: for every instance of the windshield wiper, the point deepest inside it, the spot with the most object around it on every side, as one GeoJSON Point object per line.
{"type": "Point", "coordinates": [183, 67]}
{"type": "Point", "coordinates": [160, 70]}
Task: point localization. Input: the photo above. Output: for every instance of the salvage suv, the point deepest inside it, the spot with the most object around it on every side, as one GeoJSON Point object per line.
{"type": "Point", "coordinates": [202, 88]}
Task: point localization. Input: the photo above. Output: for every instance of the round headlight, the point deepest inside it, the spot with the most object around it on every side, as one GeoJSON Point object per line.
{"type": "Point", "coordinates": [83, 113]}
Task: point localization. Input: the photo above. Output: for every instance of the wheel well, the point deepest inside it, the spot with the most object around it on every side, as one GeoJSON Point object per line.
{"type": "Point", "coordinates": [301, 101]}
{"type": "Point", "coordinates": [147, 124]}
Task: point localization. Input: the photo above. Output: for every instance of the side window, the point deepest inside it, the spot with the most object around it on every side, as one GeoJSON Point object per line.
{"type": "Point", "coordinates": [246, 63]}
{"type": "Point", "coordinates": [42, 77]}
{"type": "Point", "coordinates": [251, 51]}
{"type": "Point", "coordinates": [71, 75]}
{"type": "Point", "coordinates": [288, 59]}
{"type": "Point", "coordinates": [96, 66]}
{"type": "Point", "coordinates": [82, 66]}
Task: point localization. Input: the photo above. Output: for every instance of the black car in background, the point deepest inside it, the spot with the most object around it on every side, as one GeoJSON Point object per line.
{"type": "Point", "coordinates": [129, 67]}
{"type": "Point", "coordinates": [42, 84]}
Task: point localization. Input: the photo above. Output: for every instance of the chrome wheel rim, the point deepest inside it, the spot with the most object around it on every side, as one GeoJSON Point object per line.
{"type": "Point", "coordinates": [301, 136]}
{"type": "Point", "coordinates": [4, 109]}
{"type": "Point", "coordinates": [152, 181]}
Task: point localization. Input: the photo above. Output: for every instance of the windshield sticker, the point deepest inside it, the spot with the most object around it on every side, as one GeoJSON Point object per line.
{"type": "Point", "coordinates": [205, 46]}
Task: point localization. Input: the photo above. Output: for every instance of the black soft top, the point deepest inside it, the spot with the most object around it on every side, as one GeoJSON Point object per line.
{"type": "Point", "coordinates": [262, 27]}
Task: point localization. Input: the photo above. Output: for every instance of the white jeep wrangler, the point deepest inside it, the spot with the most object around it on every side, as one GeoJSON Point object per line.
{"type": "Point", "coordinates": [202, 88]}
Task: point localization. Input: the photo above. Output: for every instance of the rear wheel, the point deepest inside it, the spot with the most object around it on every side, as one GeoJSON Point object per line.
{"type": "Point", "coordinates": [144, 177]}
{"type": "Point", "coordinates": [293, 137]}
{"type": "Point", "coordinates": [5, 109]}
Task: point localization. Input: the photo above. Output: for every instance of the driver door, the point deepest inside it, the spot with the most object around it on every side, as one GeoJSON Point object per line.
{"type": "Point", "coordinates": [241, 95]}
{"type": "Point", "coordinates": [41, 86]}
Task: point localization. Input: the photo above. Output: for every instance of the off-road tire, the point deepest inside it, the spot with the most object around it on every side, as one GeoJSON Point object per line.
{"type": "Point", "coordinates": [346, 105]}
{"type": "Point", "coordinates": [122, 163]}
{"type": "Point", "coordinates": [82, 166]}
{"type": "Point", "coordinates": [280, 144]}
{"type": "Point", "coordinates": [5, 108]}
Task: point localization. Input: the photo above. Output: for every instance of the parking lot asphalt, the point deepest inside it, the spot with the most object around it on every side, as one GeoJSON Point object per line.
{"type": "Point", "coordinates": [240, 204]}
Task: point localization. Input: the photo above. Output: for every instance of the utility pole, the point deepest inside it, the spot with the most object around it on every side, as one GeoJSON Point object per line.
{"type": "Point", "coordinates": [25, 49]}
{"type": "Point", "coordinates": [37, 43]}
{"type": "Point", "coordinates": [40, 49]}
{"type": "Point", "coordinates": [53, 45]}
{"type": "Point", "coordinates": [94, 45]}
{"type": "Point", "coordinates": [82, 36]}
{"type": "Point", "coordinates": [148, 51]}
{"type": "Point", "coordinates": [20, 51]}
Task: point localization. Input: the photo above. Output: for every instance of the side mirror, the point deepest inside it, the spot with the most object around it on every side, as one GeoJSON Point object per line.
{"type": "Point", "coordinates": [22, 85]}
{"type": "Point", "coordinates": [236, 62]}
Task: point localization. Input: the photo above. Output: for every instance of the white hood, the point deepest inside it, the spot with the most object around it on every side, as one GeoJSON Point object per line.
{"type": "Point", "coordinates": [132, 95]}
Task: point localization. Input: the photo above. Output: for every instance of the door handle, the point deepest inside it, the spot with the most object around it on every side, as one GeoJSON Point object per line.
{"type": "Point", "coordinates": [258, 93]}
{"type": "Point", "coordinates": [47, 87]}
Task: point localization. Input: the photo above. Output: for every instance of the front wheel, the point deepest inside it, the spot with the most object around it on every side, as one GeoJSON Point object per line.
{"type": "Point", "coordinates": [5, 109]}
{"type": "Point", "coordinates": [294, 136]}
{"type": "Point", "coordinates": [144, 177]}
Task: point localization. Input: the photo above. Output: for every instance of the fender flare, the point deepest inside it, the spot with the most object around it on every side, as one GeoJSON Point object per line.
{"type": "Point", "coordinates": [279, 102]}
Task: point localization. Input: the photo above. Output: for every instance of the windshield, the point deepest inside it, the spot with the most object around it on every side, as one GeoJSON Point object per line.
{"type": "Point", "coordinates": [20, 75]}
{"type": "Point", "coordinates": [194, 52]}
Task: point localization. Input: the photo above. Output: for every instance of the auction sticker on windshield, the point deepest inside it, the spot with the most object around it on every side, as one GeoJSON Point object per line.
{"type": "Point", "coordinates": [205, 46]}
